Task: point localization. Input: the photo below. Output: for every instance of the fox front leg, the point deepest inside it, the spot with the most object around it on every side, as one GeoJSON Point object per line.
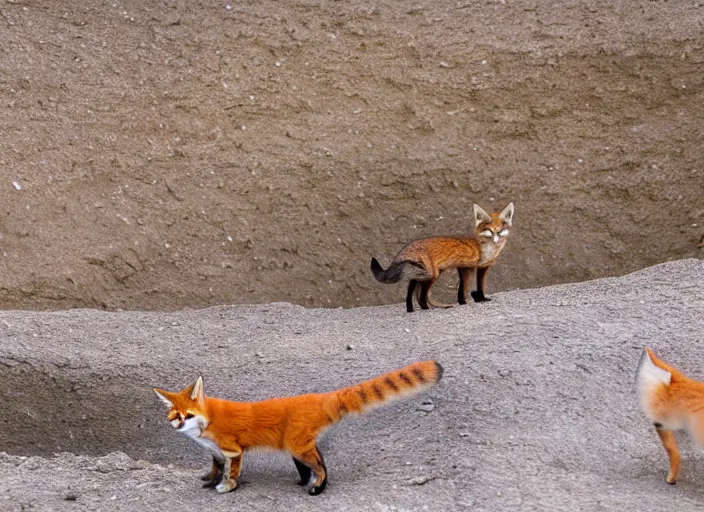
{"type": "Point", "coordinates": [478, 294]}
{"type": "Point", "coordinates": [230, 472]}
{"type": "Point", "coordinates": [213, 478]}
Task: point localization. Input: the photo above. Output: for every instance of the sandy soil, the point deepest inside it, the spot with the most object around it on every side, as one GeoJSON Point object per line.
{"type": "Point", "coordinates": [536, 411]}
{"type": "Point", "coordinates": [183, 153]}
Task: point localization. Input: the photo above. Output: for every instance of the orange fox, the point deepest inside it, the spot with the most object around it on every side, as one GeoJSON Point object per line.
{"type": "Point", "coordinates": [672, 402]}
{"type": "Point", "coordinates": [228, 429]}
{"type": "Point", "coordinates": [422, 261]}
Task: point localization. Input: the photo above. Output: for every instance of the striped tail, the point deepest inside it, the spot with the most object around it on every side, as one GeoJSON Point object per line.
{"type": "Point", "coordinates": [395, 272]}
{"type": "Point", "coordinates": [410, 380]}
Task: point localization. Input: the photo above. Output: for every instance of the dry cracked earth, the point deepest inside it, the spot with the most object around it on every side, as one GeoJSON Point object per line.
{"type": "Point", "coordinates": [536, 410]}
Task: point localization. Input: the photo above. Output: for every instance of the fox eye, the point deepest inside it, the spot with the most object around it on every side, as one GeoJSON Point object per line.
{"type": "Point", "coordinates": [188, 416]}
{"type": "Point", "coordinates": [487, 233]}
{"type": "Point", "coordinates": [503, 232]}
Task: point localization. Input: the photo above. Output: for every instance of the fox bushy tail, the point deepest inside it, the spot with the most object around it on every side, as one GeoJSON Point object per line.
{"type": "Point", "coordinates": [394, 273]}
{"type": "Point", "coordinates": [371, 393]}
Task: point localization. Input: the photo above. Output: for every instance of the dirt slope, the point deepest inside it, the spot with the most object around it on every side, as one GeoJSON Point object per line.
{"type": "Point", "coordinates": [184, 153]}
{"type": "Point", "coordinates": [536, 410]}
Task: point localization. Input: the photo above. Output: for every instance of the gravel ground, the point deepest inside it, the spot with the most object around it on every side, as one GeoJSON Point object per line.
{"type": "Point", "coordinates": [536, 411]}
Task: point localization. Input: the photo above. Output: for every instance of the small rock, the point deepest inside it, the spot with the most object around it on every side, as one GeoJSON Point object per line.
{"type": "Point", "coordinates": [70, 497]}
{"type": "Point", "coordinates": [504, 373]}
{"type": "Point", "coordinates": [426, 406]}
{"type": "Point", "coordinates": [421, 480]}
{"type": "Point", "coordinates": [17, 185]}
{"type": "Point", "coordinates": [350, 347]}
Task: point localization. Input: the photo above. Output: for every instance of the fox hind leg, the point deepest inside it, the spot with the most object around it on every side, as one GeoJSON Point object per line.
{"type": "Point", "coordinates": [303, 471]}
{"type": "Point", "coordinates": [465, 276]}
{"type": "Point", "coordinates": [429, 299]}
{"type": "Point", "coordinates": [667, 437]}
{"type": "Point", "coordinates": [313, 459]}
{"type": "Point", "coordinates": [423, 294]}
{"type": "Point", "coordinates": [424, 298]}
{"type": "Point", "coordinates": [212, 478]}
{"type": "Point", "coordinates": [409, 296]}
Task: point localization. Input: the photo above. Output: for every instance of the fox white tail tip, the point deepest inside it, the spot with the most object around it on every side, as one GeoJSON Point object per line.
{"type": "Point", "coordinates": [649, 373]}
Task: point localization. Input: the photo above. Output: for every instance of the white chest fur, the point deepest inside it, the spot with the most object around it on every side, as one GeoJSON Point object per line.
{"type": "Point", "coordinates": [193, 428]}
{"type": "Point", "coordinates": [210, 445]}
{"type": "Point", "coordinates": [490, 252]}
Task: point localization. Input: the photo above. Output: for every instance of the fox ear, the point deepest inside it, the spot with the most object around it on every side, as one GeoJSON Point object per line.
{"type": "Point", "coordinates": [480, 215]}
{"type": "Point", "coordinates": [507, 214]}
{"type": "Point", "coordinates": [197, 391]}
{"type": "Point", "coordinates": [163, 395]}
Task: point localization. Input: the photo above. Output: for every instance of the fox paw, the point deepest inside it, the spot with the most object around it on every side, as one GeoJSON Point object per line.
{"type": "Point", "coordinates": [672, 480]}
{"type": "Point", "coordinates": [227, 486]}
{"type": "Point", "coordinates": [209, 484]}
{"type": "Point", "coordinates": [211, 479]}
{"type": "Point", "coordinates": [479, 296]}
{"type": "Point", "coordinates": [317, 489]}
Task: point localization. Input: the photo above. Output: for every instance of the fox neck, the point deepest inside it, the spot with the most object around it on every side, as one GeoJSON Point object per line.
{"type": "Point", "coordinates": [490, 251]}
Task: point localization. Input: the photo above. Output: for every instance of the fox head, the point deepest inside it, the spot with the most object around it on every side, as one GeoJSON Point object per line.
{"type": "Point", "coordinates": [187, 411]}
{"type": "Point", "coordinates": [493, 228]}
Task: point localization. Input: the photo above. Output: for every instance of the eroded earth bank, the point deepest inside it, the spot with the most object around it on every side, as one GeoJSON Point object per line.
{"type": "Point", "coordinates": [181, 153]}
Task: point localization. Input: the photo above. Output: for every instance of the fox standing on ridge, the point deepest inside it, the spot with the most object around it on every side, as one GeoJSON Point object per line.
{"type": "Point", "coordinates": [228, 429]}
{"type": "Point", "coordinates": [672, 402]}
{"type": "Point", "coordinates": [422, 261]}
